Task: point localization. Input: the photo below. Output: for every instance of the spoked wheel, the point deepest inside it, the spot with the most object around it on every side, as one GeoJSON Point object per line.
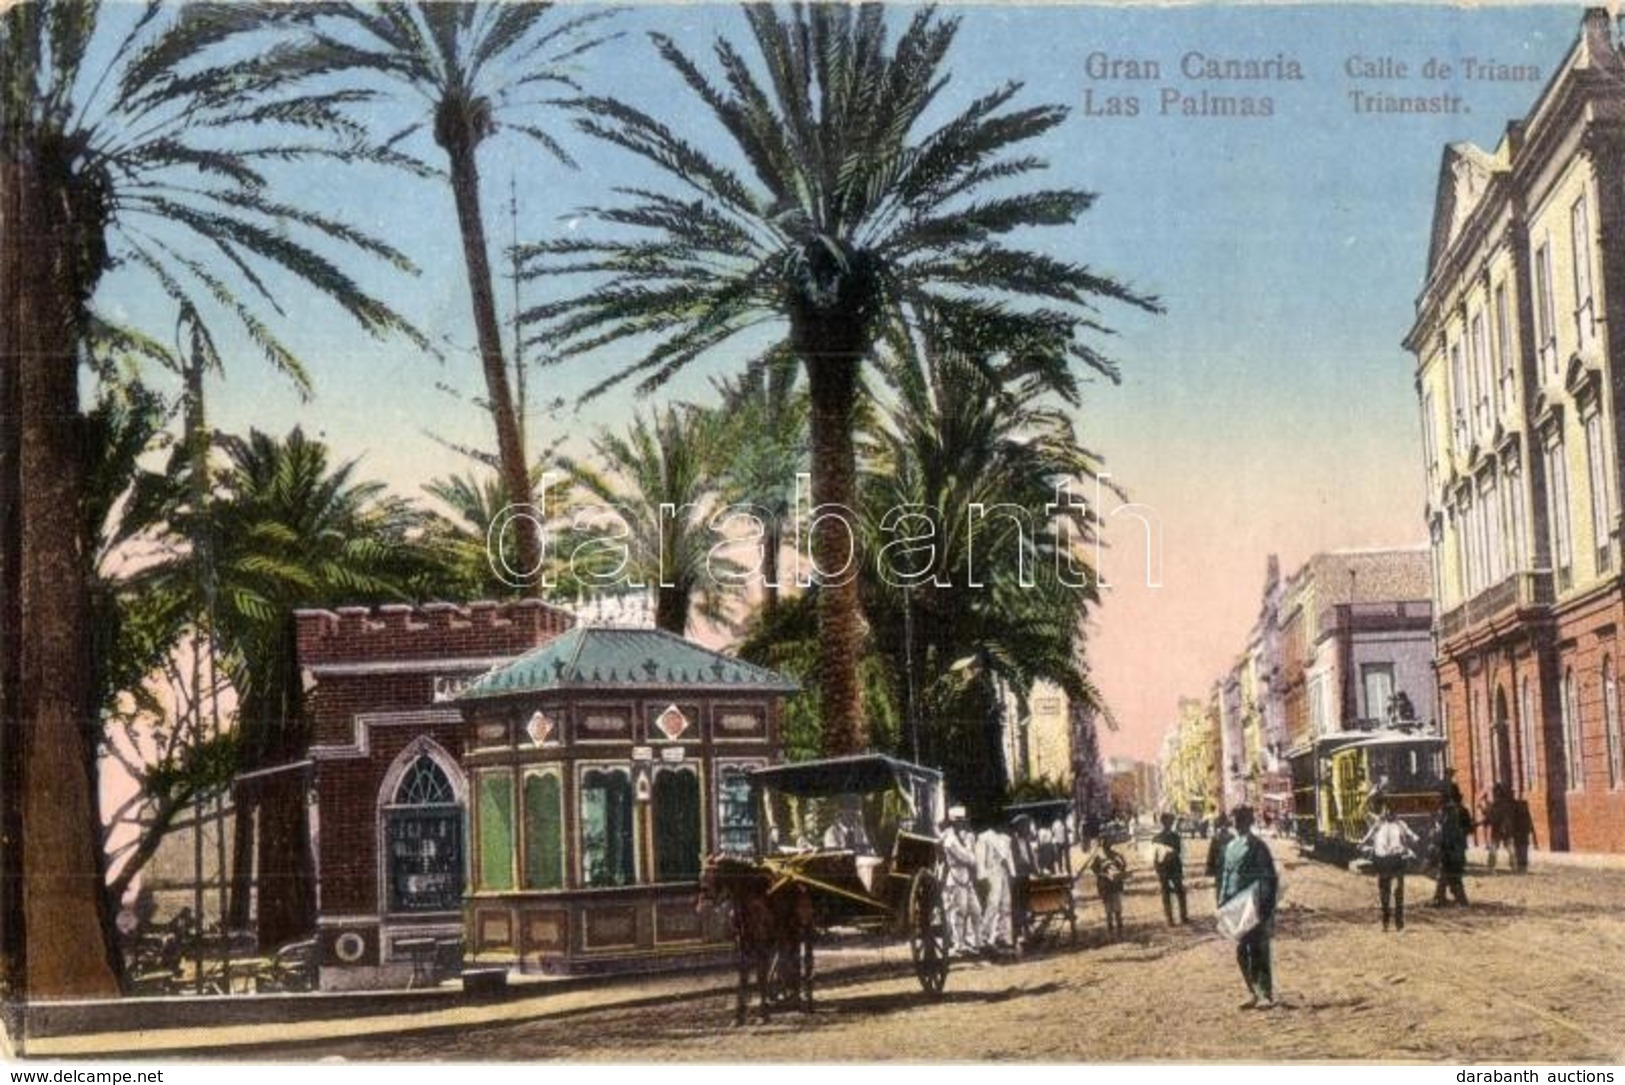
{"type": "Point", "coordinates": [928, 932]}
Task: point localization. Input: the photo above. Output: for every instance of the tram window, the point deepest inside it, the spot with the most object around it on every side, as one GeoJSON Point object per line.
{"type": "Point", "coordinates": [1415, 763]}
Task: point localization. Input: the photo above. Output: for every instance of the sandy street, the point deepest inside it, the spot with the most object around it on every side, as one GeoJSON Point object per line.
{"type": "Point", "coordinates": [1531, 973]}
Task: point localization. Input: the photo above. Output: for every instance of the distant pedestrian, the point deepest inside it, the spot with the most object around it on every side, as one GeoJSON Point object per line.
{"type": "Point", "coordinates": [1500, 818]}
{"type": "Point", "coordinates": [1110, 869]}
{"type": "Point", "coordinates": [1249, 868]}
{"type": "Point", "coordinates": [1523, 834]}
{"type": "Point", "coordinates": [1215, 851]}
{"type": "Point", "coordinates": [1168, 860]}
{"type": "Point", "coordinates": [1450, 838]}
{"type": "Point", "coordinates": [1389, 842]}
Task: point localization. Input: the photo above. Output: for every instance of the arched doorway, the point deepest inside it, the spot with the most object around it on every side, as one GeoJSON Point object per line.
{"type": "Point", "coordinates": [1501, 741]}
{"type": "Point", "coordinates": [421, 822]}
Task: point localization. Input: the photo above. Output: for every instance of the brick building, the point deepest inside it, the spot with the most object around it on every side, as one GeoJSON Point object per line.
{"type": "Point", "coordinates": [389, 793]}
{"type": "Point", "coordinates": [1519, 340]}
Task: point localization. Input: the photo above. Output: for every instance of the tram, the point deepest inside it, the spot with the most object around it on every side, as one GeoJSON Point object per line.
{"type": "Point", "coordinates": [1339, 780]}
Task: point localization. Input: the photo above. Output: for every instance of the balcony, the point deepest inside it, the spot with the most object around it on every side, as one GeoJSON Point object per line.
{"type": "Point", "coordinates": [1520, 591]}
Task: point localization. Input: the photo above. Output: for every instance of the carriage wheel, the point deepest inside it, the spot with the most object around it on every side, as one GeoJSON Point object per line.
{"type": "Point", "coordinates": [928, 932]}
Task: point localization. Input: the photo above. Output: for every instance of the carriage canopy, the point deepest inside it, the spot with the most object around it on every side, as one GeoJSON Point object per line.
{"type": "Point", "coordinates": [859, 802]}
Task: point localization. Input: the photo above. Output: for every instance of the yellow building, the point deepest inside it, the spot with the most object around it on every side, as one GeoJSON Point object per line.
{"type": "Point", "coordinates": [1519, 341]}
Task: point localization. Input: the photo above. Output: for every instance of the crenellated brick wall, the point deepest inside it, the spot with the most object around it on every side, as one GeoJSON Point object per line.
{"type": "Point", "coordinates": [433, 630]}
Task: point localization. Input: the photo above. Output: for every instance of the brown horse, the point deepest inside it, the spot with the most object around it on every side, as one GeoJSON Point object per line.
{"type": "Point", "coordinates": [771, 919]}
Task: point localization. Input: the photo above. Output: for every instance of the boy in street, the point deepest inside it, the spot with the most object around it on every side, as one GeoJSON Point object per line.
{"type": "Point", "coordinates": [1389, 841]}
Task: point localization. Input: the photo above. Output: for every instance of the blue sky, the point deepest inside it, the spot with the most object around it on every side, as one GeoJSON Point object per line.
{"type": "Point", "coordinates": [1270, 408]}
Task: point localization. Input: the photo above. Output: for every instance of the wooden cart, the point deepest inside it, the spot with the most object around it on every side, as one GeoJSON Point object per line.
{"type": "Point", "coordinates": [1042, 890]}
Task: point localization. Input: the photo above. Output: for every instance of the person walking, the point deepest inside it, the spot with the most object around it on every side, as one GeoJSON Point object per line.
{"type": "Point", "coordinates": [1215, 851]}
{"type": "Point", "coordinates": [1389, 842]}
{"type": "Point", "coordinates": [1500, 824]}
{"type": "Point", "coordinates": [1168, 861]}
{"type": "Point", "coordinates": [1249, 868]}
{"type": "Point", "coordinates": [1450, 837]}
{"type": "Point", "coordinates": [1523, 834]}
{"type": "Point", "coordinates": [1110, 869]}
{"type": "Point", "coordinates": [959, 899]}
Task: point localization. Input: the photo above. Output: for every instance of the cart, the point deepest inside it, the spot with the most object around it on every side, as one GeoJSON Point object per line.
{"type": "Point", "coordinates": [844, 844]}
{"type": "Point", "coordinates": [1041, 893]}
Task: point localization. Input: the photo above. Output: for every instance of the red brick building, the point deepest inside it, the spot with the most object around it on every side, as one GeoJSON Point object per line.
{"type": "Point", "coordinates": [389, 793]}
{"type": "Point", "coordinates": [1520, 346]}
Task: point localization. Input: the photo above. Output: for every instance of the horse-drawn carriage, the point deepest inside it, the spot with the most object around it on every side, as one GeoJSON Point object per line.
{"type": "Point", "coordinates": [847, 843]}
{"type": "Point", "coordinates": [1041, 894]}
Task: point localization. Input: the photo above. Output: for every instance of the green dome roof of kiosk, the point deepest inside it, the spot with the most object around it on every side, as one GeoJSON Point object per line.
{"type": "Point", "coordinates": [606, 658]}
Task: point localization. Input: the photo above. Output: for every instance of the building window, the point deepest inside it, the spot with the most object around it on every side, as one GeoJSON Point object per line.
{"type": "Point", "coordinates": [1479, 358]}
{"type": "Point", "coordinates": [1601, 492]}
{"type": "Point", "coordinates": [1610, 722]}
{"type": "Point", "coordinates": [1430, 434]}
{"type": "Point", "coordinates": [1573, 763]}
{"type": "Point", "coordinates": [544, 831]}
{"type": "Point", "coordinates": [1585, 317]}
{"type": "Point", "coordinates": [423, 838]}
{"type": "Point", "coordinates": [1489, 520]}
{"type": "Point", "coordinates": [1377, 680]}
{"type": "Point", "coordinates": [1526, 732]}
{"type": "Point", "coordinates": [494, 801]}
{"type": "Point", "coordinates": [1458, 397]}
{"type": "Point", "coordinates": [1505, 348]}
{"type": "Point", "coordinates": [677, 830]}
{"type": "Point", "coordinates": [608, 847]}
{"type": "Point", "coordinates": [736, 820]}
{"type": "Point", "coordinates": [1545, 339]}
{"type": "Point", "coordinates": [1512, 496]}
{"type": "Point", "coordinates": [1557, 502]}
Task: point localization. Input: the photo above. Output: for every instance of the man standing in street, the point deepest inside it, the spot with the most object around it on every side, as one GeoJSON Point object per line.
{"type": "Point", "coordinates": [1249, 867]}
{"type": "Point", "coordinates": [1169, 862]}
{"type": "Point", "coordinates": [1450, 837]}
{"type": "Point", "coordinates": [1523, 834]}
{"type": "Point", "coordinates": [995, 866]}
{"type": "Point", "coordinates": [959, 899]}
{"type": "Point", "coordinates": [1215, 852]}
{"type": "Point", "coordinates": [1390, 843]}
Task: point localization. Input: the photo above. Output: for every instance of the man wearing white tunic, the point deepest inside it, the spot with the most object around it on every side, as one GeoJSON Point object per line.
{"type": "Point", "coordinates": [995, 866]}
{"type": "Point", "coordinates": [959, 898]}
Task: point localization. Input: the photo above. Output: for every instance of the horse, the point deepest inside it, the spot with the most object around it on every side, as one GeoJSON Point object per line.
{"type": "Point", "coordinates": [771, 920]}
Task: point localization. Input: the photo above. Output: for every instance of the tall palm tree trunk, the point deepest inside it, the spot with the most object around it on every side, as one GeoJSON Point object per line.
{"type": "Point", "coordinates": [64, 907]}
{"type": "Point", "coordinates": [12, 943]}
{"type": "Point", "coordinates": [832, 387]}
{"type": "Point", "coordinates": [459, 143]}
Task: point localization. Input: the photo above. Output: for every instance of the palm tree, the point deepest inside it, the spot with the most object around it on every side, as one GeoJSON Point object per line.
{"type": "Point", "coordinates": [479, 68]}
{"type": "Point", "coordinates": [852, 224]}
{"type": "Point", "coordinates": [660, 482]}
{"type": "Point", "coordinates": [151, 158]}
{"type": "Point", "coordinates": [763, 449]}
{"type": "Point", "coordinates": [290, 529]}
{"type": "Point", "coordinates": [463, 540]}
{"type": "Point", "coordinates": [1002, 598]}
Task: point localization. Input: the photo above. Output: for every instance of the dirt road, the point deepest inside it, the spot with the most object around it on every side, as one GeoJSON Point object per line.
{"type": "Point", "coordinates": [1532, 972]}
